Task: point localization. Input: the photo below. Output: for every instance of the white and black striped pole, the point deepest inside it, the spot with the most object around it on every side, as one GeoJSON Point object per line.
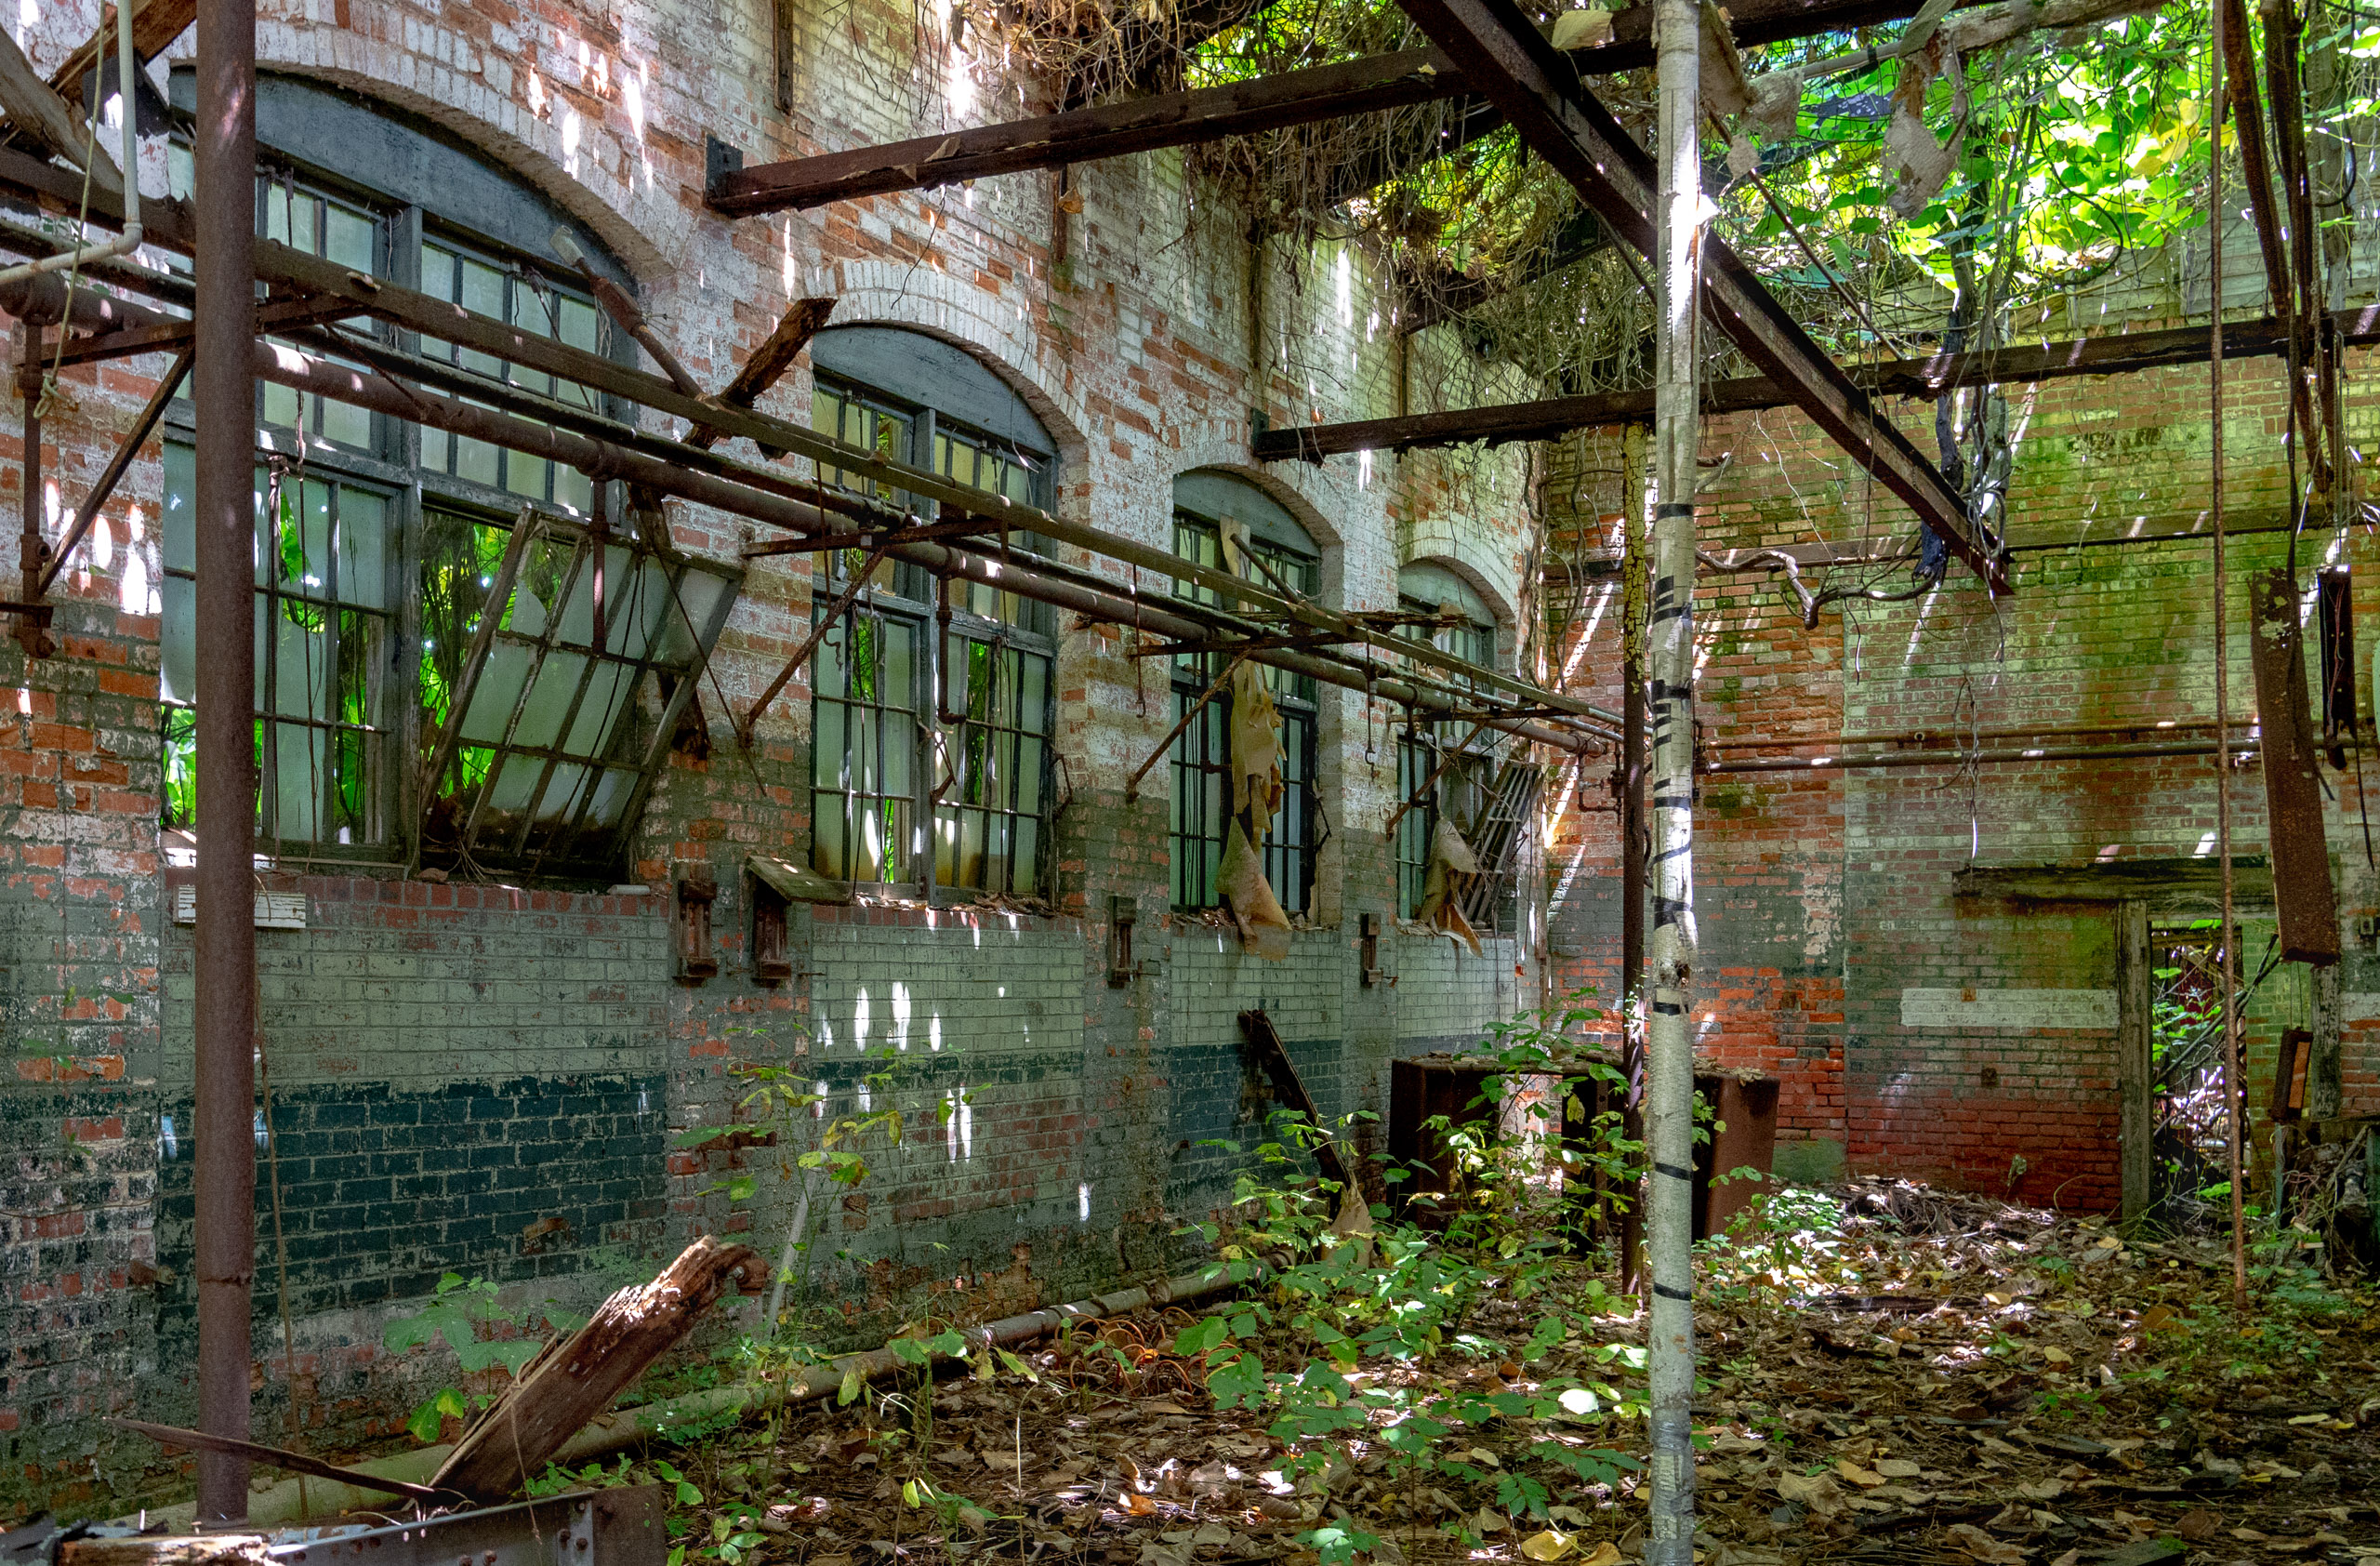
{"type": "Point", "coordinates": [1669, 1097]}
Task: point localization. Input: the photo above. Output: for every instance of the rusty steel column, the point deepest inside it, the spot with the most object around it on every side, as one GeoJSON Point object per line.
{"type": "Point", "coordinates": [223, 389]}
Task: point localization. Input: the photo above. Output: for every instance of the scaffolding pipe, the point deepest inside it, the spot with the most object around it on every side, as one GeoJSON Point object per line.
{"type": "Point", "coordinates": [1884, 759]}
{"type": "Point", "coordinates": [1668, 658]}
{"type": "Point", "coordinates": [2233, 1121]}
{"type": "Point", "coordinates": [223, 392]}
{"type": "Point", "coordinates": [126, 243]}
{"type": "Point", "coordinates": [1629, 779]}
{"type": "Point", "coordinates": [1959, 736]}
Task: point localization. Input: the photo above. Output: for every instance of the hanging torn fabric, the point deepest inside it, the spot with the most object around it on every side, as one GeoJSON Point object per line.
{"type": "Point", "coordinates": [1263, 927]}
{"type": "Point", "coordinates": [1452, 866]}
{"type": "Point", "coordinates": [1255, 794]}
{"type": "Point", "coordinates": [1255, 745]}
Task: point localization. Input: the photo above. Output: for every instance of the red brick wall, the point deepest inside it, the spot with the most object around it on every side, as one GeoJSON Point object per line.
{"type": "Point", "coordinates": [1821, 897]}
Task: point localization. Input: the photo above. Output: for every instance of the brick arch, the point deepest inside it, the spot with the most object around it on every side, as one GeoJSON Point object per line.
{"type": "Point", "coordinates": [1444, 540]}
{"type": "Point", "coordinates": [1498, 604]}
{"type": "Point", "coordinates": [641, 230]}
{"type": "Point", "coordinates": [933, 304]}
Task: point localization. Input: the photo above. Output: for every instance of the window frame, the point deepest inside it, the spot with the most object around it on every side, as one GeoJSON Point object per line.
{"type": "Point", "coordinates": [391, 463]}
{"type": "Point", "coordinates": [936, 615]}
{"type": "Point", "coordinates": [1423, 746]}
{"type": "Point", "coordinates": [1199, 754]}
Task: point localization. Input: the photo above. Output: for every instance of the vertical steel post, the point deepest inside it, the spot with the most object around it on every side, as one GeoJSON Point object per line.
{"type": "Point", "coordinates": [224, 394]}
{"type": "Point", "coordinates": [1669, 659]}
{"type": "Point", "coordinates": [2234, 1118]}
{"type": "Point", "coordinates": [1629, 779]}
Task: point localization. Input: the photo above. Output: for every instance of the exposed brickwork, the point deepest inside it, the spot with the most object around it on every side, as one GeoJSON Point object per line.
{"type": "Point", "coordinates": [1822, 896]}
{"type": "Point", "coordinates": [543, 1012]}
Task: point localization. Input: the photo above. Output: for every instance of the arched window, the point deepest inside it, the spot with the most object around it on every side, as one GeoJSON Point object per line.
{"type": "Point", "coordinates": [1225, 522]}
{"type": "Point", "coordinates": [381, 547]}
{"type": "Point", "coordinates": [1446, 769]}
{"type": "Point", "coordinates": [933, 701]}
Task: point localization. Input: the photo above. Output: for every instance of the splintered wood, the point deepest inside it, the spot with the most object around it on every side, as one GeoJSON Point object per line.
{"type": "Point", "coordinates": [574, 1379]}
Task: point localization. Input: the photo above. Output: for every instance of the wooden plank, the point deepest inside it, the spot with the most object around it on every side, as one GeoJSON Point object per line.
{"type": "Point", "coordinates": [2325, 1085]}
{"type": "Point", "coordinates": [1503, 56]}
{"type": "Point", "coordinates": [2162, 885]}
{"type": "Point", "coordinates": [2119, 353]}
{"type": "Point", "coordinates": [292, 1461]}
{"type": "Point", "coordinates": [1361, 86]}
{"type": "Point", "coordinates": [36, 108]}
{"type": "Point", "coordinates": [574, 1379]}
{"type": "Point", "coordinates": [1291, 1089]}
{"type": "Point", "coordinates": [771, 359]}
{"type": "Point", "coordinates": [155, 25]}
{"type": "Point", "coordinates": [2136, 1068]}
{"type": "Point", "coordinates": [2304, 894]}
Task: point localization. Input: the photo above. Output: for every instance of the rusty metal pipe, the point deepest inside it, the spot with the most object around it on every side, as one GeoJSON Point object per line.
{"type": "Point", "coordinates": [223, 392]}
{"type": "Point", "coordinates": [604, 459]}
{"type": "Point", "coordinates": [1980, 757]}
{"type": "Point", "coordinates": [1956, 737]}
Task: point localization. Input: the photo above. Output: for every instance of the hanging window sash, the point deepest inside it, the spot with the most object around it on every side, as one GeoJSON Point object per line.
{"type": "Point", "coordinates": [584, 644]}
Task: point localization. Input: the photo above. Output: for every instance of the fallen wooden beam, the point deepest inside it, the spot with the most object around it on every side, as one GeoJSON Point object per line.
{"type": "Point", "coordinates": [574, 1379]}
{"type": "Point", "coordinates": [1182, 119]}
{"type": "Point", "coordinates": [769, 361]}
{"type": "Point", "coordinates": [2018, 364]}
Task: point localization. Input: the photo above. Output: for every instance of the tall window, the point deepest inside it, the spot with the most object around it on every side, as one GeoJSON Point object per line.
{"type": "Point", "coordinates": [323, 629]}
{"type": "Point", "coordinates": [1274, 552]}
{"type": "Point", "coordinates": [379, 545]}
{"type": "Point", "coordinates": [933, 700]}
{"type": "Point", "coordinates": [1444, 767]}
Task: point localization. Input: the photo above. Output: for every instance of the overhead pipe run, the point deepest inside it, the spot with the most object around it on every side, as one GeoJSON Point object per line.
{"type": "Point", "coordinates": [49, 298]}
{"type": "Point", "coordinates": [764, 496]}
{"type": "Point", "coordinates": [1887, 759]}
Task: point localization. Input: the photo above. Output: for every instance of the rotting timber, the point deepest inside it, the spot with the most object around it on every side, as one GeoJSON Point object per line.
{"type": "Point", "coordinates": [403, 386]}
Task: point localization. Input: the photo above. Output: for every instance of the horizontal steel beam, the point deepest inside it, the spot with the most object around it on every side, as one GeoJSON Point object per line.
{"type": "Point", "coordinates": [1182, 119]}
{"type": "Point", "coordinates": [2120, 354]}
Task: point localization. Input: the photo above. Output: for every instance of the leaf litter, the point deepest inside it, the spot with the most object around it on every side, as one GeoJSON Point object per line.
{"type": "Point", "coordinates": [1889, 1373]}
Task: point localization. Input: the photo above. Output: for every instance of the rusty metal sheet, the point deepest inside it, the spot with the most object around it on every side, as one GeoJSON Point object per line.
{"type": "Point", "coordinates": [2302, 888]}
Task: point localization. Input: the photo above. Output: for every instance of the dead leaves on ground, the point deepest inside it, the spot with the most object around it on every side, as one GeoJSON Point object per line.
{"type": "Point", "coordinates": [1967, 1395]}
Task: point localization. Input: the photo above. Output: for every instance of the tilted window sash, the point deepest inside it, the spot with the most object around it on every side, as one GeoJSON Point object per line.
{"type": "Point", "coordinates": [585, 648]}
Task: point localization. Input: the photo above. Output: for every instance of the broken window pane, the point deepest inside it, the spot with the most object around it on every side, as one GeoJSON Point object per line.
{"type": "Point", "coordinates": [543, 728]}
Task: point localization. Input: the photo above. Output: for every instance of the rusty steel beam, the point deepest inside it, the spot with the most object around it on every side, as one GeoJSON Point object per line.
{"type": "Point", "coordinates": [1182, 119]}
{"type": "Point", "coordinates": [223, 392]}
{"type": "Point", "coordinates": [1500, 53]}
{"type": "Point", "coordinates": [2304, 894]}
{"type": "Point", "coordinates": [1927, 377]}
{"type": "Point", "coordinates": [1360, 87]}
